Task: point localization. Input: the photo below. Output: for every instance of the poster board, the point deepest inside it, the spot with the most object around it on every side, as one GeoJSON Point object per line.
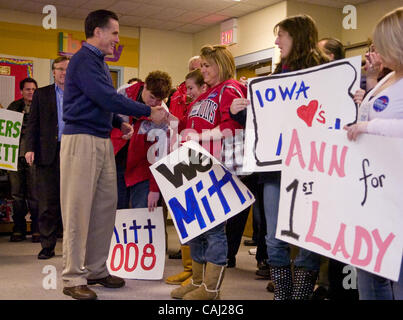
{"type": "Point", "coordinates": [318, 97]}
{"type": "Point", "coordinates": [137, 248]}
{"type": "Point", "coordinates": [199, 191]}
{"type": "Point", "coordinates": [10, 133]}
{"type": "Point", "coordinates": [343, 199]}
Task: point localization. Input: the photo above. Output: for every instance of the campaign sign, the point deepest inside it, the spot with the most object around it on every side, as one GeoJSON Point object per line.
{"type": "Point", "coordinates": [10, 132]}
{"type": "Point", "coordinates": [137, 248]}
{"type": "Point", "coordinates": [199, 191]}
{"type": "Point", "coordinates": [318, 97]}
{"type": "Point", "coordinates": [343, 199]}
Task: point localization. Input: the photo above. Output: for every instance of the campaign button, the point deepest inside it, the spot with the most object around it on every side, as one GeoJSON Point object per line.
{"type": "Point", "coordinates": [381, 103]}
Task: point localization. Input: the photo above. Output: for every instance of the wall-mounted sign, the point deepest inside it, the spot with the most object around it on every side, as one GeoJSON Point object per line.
{"type": "Point", "coordinates": [229, 31]}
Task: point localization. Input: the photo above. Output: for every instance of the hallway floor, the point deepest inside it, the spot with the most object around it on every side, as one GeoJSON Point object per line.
{"type": "Point", "coordinates": [21, 276]}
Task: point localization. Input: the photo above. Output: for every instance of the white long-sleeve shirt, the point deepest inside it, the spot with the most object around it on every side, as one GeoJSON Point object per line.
{"type": "Point", "coordinates": [385, 110]}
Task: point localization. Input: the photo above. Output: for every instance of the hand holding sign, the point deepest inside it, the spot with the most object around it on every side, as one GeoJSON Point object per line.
{"type": "Point", "coordinates": [238, 105]}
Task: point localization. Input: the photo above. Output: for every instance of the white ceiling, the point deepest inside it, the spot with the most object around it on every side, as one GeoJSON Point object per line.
{"type": "Point", "coordinates": [177, 15]}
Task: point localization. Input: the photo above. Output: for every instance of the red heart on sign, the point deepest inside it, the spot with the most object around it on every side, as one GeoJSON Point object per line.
{"type": "Point", "coordinates": [307, 113]}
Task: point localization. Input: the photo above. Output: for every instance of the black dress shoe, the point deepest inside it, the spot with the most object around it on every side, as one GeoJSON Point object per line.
{"type": "Point", "coordinates": [262, 265]}
{"type": "Point", "coordinates": [108, 282]}
{"type": "Point", "coordinates": [250, 243]}
{"type": "Point", "coordinates": [46, 253]}
{"type": "Point", "coordinates": [17, 237]}
{"type": "Point", "coordinates": [263, 273]}
{"type": "Point", "coordinates": [231, 262]}
{"type": "Point", "coordinates": [263, 270]}
{"type": "Point", "coordinates": [176, 255]}
{"type": "Point", "coordinates": [80, 293]}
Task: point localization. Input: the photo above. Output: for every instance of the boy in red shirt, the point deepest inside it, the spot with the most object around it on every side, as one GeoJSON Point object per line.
{"type": "Point", "coordinates": [131, 157]}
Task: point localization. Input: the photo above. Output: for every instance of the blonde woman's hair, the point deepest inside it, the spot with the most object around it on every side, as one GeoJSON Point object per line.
{"type": "Point", "coordinates": [388, 37]}
{"type": "Point", "coordinates": [222, 57]}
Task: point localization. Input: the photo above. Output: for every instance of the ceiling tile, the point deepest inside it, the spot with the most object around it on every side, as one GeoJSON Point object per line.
{"type": "Point", "coordinates": [169, 13]}
{"type": "Point", "coordinates": [11, 5]}
{"type": "Point", "coordinates": [31, 6]}
{"type": "Point", "coordinates": [154, 23]}
{"type": "Point", "coordinates": [130, 20]}
{"type": "Point", "coordinates": [238, 10]}
{"type": "Point", "coordinates": [98, 4]}
{"type": "Point", "coordinates": [146, 10]}
{"type": "Point", "coordinates": [190, 28]}
{"type": "Point", "coordinates": [125, 7]}
{"type": "Point", "coordinates": [191, 16]}
{"type": "Point", "coordinates": [80, 13]}
{"type": "Point", "coordinates": [261, 3]}
{"type": "Point", "coordinates": [212, 19]}
{"type": "Point", "coordinates": [189, 5]}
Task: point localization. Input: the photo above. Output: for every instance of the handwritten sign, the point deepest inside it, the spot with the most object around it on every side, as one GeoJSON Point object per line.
{"type": "Point", "coordinates": [342, 199]}
{"type": "Point", "coordinates": [199, 191]}
{"type": "Point", "coordinates": [10, 132]}
{"type": "Point", "coordinates": [319, 97]}
{"type": "Point", "coordinates": [137, 248]}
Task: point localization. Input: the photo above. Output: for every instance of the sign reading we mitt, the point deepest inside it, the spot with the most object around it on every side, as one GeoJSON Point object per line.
{"type": "Point", "coordinates": [10, 133]}
{"type": "Point", "coordinates": [199, 191]}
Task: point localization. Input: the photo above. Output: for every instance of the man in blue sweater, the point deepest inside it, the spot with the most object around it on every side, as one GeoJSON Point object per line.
{"type": "Point", "coordinates": [87, 165]}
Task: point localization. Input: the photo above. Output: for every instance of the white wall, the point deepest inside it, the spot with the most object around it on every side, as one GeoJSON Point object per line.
{"type": "Point", "coordinates": [255, 31]}
{"type": "Point", "coordinates": [166, 51]}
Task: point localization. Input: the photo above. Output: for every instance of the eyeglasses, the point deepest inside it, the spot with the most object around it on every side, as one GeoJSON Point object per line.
{"type": "Point", "coordinates": [60, 69]}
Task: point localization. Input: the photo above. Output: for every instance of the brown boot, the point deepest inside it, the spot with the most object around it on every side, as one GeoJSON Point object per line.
{"type": "Point", "coordinates": [210, 288]}
{"type": "Point", "coordinates": [187, 268]}
{"type": "Point", "coordinates": [196, 281]}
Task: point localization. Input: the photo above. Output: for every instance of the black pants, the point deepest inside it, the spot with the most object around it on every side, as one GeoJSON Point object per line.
{"type": "Point", "coordinates": [235, 226]}
{"type": "Point", "coordinates": [23, 194]}
{"type": "Point", "coordinates": [49, 219]}
{"type": "Point", "coordinates": [259, 224]}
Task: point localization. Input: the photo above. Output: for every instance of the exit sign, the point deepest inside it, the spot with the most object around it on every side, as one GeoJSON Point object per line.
{"type": "Point", "coordinates": [227, 37]}
{"type": "Point", "coordinates": [229, 32]}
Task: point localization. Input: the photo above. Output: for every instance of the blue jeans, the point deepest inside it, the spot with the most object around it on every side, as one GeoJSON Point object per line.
{"type": "Point", "coordinates": [139, 194]}
{"type": "Point", "coordinates": [373, 287]}
{"type": "Point", "coordinates": [278, 251]}
{"type": "Point", "coordinates": [210, 246]}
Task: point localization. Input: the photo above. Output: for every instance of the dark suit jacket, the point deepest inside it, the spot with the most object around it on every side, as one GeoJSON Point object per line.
{"type": "Point", "coordinates": [42, 129]}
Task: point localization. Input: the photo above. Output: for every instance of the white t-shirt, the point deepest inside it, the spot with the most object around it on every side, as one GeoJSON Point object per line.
{"type": "Point", "coordinates": [385, 110]}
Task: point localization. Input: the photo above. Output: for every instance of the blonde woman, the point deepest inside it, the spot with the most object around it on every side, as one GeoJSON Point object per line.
{"type": "Point", "coordinates": [209, 250]}
{"type": "Point", "coordinates": [383, 109]}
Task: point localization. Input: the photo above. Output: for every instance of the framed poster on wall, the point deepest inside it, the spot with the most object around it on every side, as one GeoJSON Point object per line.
{"type": "Point", "coordinates": [17, 68]}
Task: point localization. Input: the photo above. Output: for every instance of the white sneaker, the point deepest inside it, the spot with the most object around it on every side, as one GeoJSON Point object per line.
{"type": "Point", "coordinates": [252, 251]}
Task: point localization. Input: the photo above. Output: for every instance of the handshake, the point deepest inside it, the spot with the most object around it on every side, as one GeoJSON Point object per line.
{"type": "Point", "coordinates": [159, 115]}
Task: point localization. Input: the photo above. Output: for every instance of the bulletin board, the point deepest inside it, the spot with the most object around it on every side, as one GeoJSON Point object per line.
{"type": "Point", "coordinates": [17, 68]}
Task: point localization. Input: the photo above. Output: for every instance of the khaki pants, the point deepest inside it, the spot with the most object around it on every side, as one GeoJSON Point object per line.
{"type": "Point", "coordinates": [88, 197]}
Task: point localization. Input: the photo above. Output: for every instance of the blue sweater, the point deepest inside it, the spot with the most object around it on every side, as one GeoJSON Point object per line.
{"type": "Point", "coordinates": [90, 100]}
